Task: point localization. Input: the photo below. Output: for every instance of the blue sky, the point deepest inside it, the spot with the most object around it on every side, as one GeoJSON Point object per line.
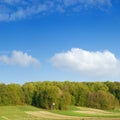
{"type": "Point", "coordinates": [75, 40]}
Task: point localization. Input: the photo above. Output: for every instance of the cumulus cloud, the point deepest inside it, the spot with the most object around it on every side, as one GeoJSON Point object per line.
{"type": "Point", "coordinates": [20, 9]}
{"type": "Point", "coordinates": [88, 63]}
{"type": "Point", "coordinates": [19, 58]}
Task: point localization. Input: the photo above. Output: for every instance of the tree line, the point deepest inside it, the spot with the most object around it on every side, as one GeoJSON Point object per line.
{"type": "Point", "coordinates": [60, 95]}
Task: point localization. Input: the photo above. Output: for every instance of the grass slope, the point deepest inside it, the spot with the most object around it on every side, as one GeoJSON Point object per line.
{"type": "Point", "coordinates": [76, 113]}
{"type": "Point", "coordinates": [16, 113]}
{"type": "Point", "coordinates": [29, 113]}
{"type": "Point", "coordinates": [89, 112]}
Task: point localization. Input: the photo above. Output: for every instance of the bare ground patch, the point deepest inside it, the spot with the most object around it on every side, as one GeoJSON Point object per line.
{"type": "Point", "coordinates": [92, 109]}
{"type": "Point", "coordinates": [53, 116]}
{"type": "Point", "coordinates": [45, 114]}
{"type": "Point", "coordinates": [95, 112]}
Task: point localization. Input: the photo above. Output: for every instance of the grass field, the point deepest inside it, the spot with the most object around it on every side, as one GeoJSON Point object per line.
{"type": "Point", "coordinates": [75, 113]}
{"type": "Point", "coordinates": [91, 113]}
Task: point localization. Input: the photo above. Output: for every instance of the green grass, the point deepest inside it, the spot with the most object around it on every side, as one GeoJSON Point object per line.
{"type": "Point", "coordinates": [19, 113]}
{"type": "Point", "coordinates": [72, 112]}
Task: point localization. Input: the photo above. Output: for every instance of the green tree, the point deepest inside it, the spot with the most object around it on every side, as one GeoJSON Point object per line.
{"type": "Point", "coordinates": [4, 99]}
{"type": "Point", "coordinates": [15, 94]}
{"type": "Point", "coordinates": [114, 88]}
{"type": "Point", "coordinates": [28, 89]}
{"type": "Point", "coordinates": [102, 100]}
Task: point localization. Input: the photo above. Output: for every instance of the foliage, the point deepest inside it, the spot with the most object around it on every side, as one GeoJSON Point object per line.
{"type": "Point", "coordinates": [60, 95]}
{"type": "Point", "coordinates": [11, 94]}
{"type": "Point", "coordinates": [102, 100]}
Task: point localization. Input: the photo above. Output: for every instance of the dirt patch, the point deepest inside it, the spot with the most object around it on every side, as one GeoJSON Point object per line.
{"type": "Point", "coordinates": [92, 109]}
{"type": "Point", "coordinates": [94, 112]}
{"type": "Point", "coordinates": [45, 114]}
{"type": "Point", "coordinates": [54, 116]}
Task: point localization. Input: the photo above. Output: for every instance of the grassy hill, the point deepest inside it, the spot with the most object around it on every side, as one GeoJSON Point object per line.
{"type": "Point", "coordinates": [76, 113]}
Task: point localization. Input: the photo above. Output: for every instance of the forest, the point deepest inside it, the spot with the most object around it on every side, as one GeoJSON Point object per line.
{"type": "Point", "coordinates": [61, 95]}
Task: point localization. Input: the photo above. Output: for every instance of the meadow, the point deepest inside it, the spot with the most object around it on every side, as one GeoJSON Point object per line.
{"type": "Point", "coordinates": [75, 113]}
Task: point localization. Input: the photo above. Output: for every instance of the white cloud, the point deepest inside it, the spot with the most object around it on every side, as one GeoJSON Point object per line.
{"type": "Point", "coordinates": [20, 9]}
{"type": "Point", "coordinates": [87, 63]}
{"type": "Point", "coordinates": [19, 58]}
